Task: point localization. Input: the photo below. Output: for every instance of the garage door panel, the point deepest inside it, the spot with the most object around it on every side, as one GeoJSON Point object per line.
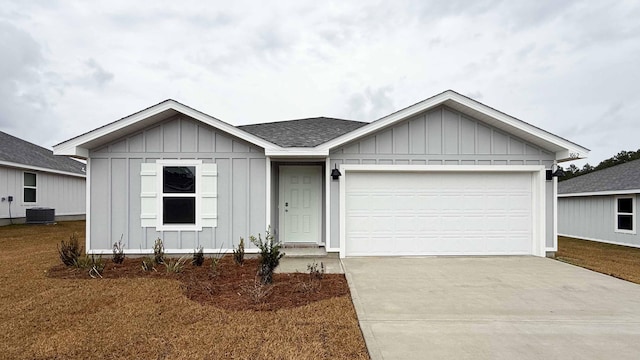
{"type": "Point", "coordinates": [391, 213]}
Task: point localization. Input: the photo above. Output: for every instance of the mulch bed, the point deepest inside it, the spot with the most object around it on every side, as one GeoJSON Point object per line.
{"type": "Point", "coordinates": [230, 286]}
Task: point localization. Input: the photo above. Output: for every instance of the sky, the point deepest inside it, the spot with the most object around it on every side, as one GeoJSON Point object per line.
{"type": "Point", "coordinates": [569, 67]}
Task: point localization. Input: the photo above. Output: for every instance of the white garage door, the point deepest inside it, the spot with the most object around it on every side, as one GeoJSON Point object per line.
{"type": "Point", "coordinates": [432, 213]}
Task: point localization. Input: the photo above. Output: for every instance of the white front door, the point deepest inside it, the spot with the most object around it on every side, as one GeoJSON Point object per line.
{"type": "Point", "coordinates": [300, 204]}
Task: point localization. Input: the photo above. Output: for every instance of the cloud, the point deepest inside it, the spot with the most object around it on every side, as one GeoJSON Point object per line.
{"type": "Point", "coordinates": [97, 75]}
{"type": "Point", "coordinates": [371, 104]}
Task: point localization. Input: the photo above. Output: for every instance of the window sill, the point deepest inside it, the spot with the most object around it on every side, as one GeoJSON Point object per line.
{"type": "Point", "coordinates": [628, 232]}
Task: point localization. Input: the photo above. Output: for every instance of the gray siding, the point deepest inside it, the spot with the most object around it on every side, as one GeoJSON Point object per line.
{"type": "Point", "coordinates": [592, 217]}
{"type": "Point", "coordinates": [115, 186]}
{"type": "Point", "coordinates": [441, 136]}
{"type": "Point", "coordinates": [66, 194]}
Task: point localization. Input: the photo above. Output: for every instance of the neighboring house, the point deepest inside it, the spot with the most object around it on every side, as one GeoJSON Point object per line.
{"type": "Point", "coordinates": [447, 175]}
{"type": "Point", "coordinates": [601, 205]}
{"type": "Point", "coordinates": [32, 177]}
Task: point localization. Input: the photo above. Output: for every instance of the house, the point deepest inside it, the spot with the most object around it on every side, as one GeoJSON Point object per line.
{"type": "Point", "coordinates": [32, 177]}
{"type": "Point", "coordinates": [447, 175]}
{"type": "Point", "coordinates": [601, 205]}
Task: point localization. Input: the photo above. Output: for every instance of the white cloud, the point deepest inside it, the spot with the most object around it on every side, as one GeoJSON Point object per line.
{"type": "Point", "coordinates": [569, 67]}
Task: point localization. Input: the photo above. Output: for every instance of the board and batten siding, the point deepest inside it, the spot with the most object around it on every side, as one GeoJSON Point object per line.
{"type": "Point", "coordinates": [115, 186]}
{"type": "Point", "coordinates": [441, 136]}
{"type": "Point", "coordinates": [64, 193]}
{"type": "Point", "coordinates": [593, 218]}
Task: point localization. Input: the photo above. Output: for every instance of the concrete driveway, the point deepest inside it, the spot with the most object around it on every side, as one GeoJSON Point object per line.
{"type": "Point", "coordinates": [492, 308]}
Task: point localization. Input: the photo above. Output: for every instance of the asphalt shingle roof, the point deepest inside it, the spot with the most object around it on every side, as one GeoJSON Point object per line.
{"type": "Point", "coordinates": [15, 150]}
{"type": "Point", "coordinates": [620, 177]}
{"type": "Point", "coordinates": [302, 132]}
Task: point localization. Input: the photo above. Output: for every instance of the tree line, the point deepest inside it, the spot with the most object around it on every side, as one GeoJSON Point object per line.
{"type": "Point", "coordinates": [622, 157]}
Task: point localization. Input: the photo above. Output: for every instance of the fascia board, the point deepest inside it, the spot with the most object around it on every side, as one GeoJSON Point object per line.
{"type": "Point", "coordinates": [601, 193]}
{"type": "Point", "coordinates": [74, 147]}
{"type": "Point", "coordinates": [296, 152]}
{"type": "Point", "coordinates": [41, 169]}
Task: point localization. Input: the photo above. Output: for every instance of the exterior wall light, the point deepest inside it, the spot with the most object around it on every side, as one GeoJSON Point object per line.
{"type": "Point", "coordinates": [557, 173]}
{"type": "Point", "coordinates": [335, 173]}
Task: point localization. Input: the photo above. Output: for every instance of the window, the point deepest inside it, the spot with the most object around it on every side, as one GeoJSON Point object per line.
{"type": "Point", "coordinates": [625, 214]}
{"type": "Point", "coordinates": [178, 195]}
{"type": "Point", "coordinates": [30, 189]}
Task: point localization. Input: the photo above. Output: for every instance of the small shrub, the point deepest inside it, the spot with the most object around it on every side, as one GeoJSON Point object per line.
{"type": "Point", "coordinates": [93, 263]}
{"type": "Point", "coordinates": [257, 291]}
{"type": "Point", "coordinates": [71, 251]}
{"type": "Point", "coordinates": [316, 273]}
{"type": "Point", "coordinates": [198, 257]}
{"type": "Point", "coordinates": [215, 259]}
{"type": "Point", "coordinates": [148, 264]}
{"type": "Point", "coordinates": [118, 252]}
{"type": "Point", "coordinates": [158, 251]}
{"type": "Point", "coordinates": [270, 256]}
{"type": "Point", "coordinates": [238, 253]}
{"type": "Point", "coordinates": [175, 265]}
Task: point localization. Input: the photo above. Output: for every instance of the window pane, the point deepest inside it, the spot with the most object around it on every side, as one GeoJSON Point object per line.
{"type": "Point", "coordinates": [29, 195]}
{"type": "Point", "coordinates": [29, 179]}
{"type": "Point", "coordinates": [625, 205]}
{"type": "Point", "coordinates": [179, 179]}
{"type": "Point", "coordinates": [179, 210]}
{"type": "Point", "coordinates": [625, 222]}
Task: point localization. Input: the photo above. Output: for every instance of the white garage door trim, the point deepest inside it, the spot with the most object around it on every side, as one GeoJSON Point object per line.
{"type": "Point", "coordinates": [537, 187]}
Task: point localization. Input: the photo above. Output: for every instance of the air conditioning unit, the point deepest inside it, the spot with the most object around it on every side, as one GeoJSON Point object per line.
{"type": "Point", "coordinates": [40, 215]}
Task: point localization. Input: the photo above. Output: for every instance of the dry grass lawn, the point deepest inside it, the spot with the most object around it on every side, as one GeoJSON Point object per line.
{"type": "Point", "coordinates": [620, 261]}
{"type": "Point", "coordinates": [147, 318]}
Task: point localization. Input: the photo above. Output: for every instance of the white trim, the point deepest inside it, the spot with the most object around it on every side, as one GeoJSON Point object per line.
{"type": "Point", "coordinates": [332, 249]}
{"type": "Point", "coordinates": [87, 230]}
{"type": "Point", "coordinates": [538, 189]}
{"type": "Point", "coordinates": [296, 152]}
{"type": "Point", "coordinates": [600, 193]}
{"type": "Point", "coordinates": [633, 214]}
{"type": "Point", "coordinates": [599, 240]}
{"type": "Point", "coordinates": [41, 169]}
{"type": "Point", "coordinates": [327, 202]}
{"type": "Point", "coordinates": [567, 148]}
{"type": "Point", "coordinates": [168, 252]}
{"type": "Point", "coordinates": [160, 226]}
{"type": "Point", "coordinates": [555, 215]}
{"type": "Point", "coordinates": [76, 146]}
{"type": "Point", "coordinates": [268, 193]}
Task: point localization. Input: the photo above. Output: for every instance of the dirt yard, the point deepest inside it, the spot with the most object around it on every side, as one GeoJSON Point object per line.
{"type": "Point", "coordinates": [51, 311]}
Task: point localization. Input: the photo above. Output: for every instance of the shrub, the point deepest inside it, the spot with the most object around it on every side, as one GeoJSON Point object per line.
{"type": "Point", "coordinates": [118, 252]}
{"type": "Point", "coordinates": [71, 251]}
{"type": "Point", "coordinates": [175, 265]}
{"type": "Point", "coordinates": [316, 273]}
{"type": "Point", "coordinates": [158, 251]}
{"type": "Point", "coordinates": [148, 264]}
{"type": "Point", "coordinates": [93, 263]}
{"type": "Point", "coordinates": [198, 257]}
{"type": "Point", "coordinates": [257, 291]}
{"type": "Point", "coordinates": [270, 256]}
{"type": "Point", "coordinates": [238, 253]}
{"type": "Point", "coordinates": [215, 259]}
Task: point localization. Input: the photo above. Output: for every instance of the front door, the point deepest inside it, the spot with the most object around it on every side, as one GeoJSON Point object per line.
{"type": "Point", "coordinates": [300, 204]}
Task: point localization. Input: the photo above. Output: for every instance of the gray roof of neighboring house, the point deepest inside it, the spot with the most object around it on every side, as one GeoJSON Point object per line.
{"type": "Point", "coordinates": [302, 132]}
{"type": "Point", "coordinates": [625, 176]}
{"type": "Point", "coordinates": [15, 150]}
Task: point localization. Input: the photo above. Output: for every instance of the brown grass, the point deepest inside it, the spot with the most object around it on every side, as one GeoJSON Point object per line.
{"type": "Point", "coordinates": [152, 317]}
{"type": "Point", "coordinates": [619, 261]}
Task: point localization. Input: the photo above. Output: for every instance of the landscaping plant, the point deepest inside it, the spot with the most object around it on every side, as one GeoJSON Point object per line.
{"type": "Point", "coordinates": [148, 264]}
{"type": "Point", "coordinates": [270, 255]}
{"type": "Point", "coordinates": [71, 251]}
{"type": "Point", "coordinates": [198, 256]}
{"type": "Point", "coordinates": [118, 252]}
{"type": "Point", "coordinates": [238, 253]}
{"type": "Point", "coordinates": [158, 251]}
{"type": "Point", "coordinates": [175, 265]}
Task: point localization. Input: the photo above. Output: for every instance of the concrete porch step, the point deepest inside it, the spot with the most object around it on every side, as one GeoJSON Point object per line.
{"type": "Point", "coordinates": [304, 252]}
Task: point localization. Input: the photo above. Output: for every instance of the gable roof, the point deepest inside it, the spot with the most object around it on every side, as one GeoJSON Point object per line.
{"type": "Point", "coordinates": [309, 132]}
{"type": "Point", "coordinates": [79, 146]}
{"type": "Point", "coordinates": [563, 148]}
{"type": "Point", "coordinates": [20, 153]}
{"type": "Point", "coordinates": [291, 139]}
{"type": "Point", "coordinates": [619, 179]}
